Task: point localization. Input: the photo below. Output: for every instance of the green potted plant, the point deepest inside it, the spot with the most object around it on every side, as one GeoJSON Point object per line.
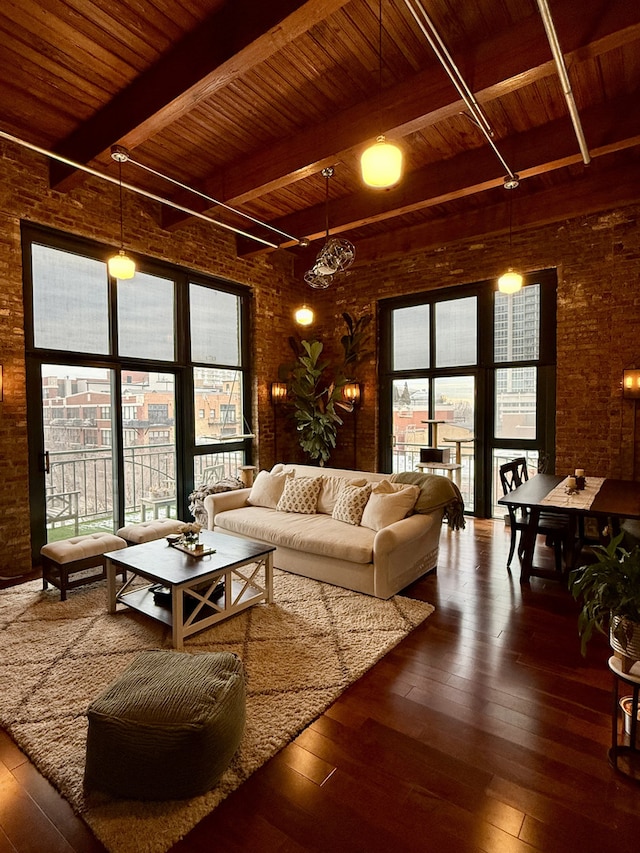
{"type": "Point", "coordinates": [315, 389]}
{"type": "Point", "coordinates": [316, 401]}
{"type": "Point", "coordinates": [609, 592]}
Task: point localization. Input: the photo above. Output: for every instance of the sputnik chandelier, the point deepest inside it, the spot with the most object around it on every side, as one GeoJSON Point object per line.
{"type": "Point", "coordinates": [335, 256]}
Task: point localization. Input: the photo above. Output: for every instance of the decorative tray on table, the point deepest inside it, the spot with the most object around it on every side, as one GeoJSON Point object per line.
{"type": "Point", "coordinates": [198, 551]}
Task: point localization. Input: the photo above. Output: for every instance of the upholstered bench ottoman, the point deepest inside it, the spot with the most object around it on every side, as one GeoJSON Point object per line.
{"type": "Point", "coordinates": [62, 559]}
{"type": "Point", "coordinates": [168, 727]}
{"type": "Point", "coordinates": [147, 531]}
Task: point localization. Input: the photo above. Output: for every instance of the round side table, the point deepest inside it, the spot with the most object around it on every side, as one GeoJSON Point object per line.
{"type": "Point", "coordinates": [624, 755]}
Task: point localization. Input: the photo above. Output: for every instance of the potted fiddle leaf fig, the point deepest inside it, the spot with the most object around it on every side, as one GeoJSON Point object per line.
{"type": "Point", "coordinates": [315, 388]}
{"type": "Point", "coordinates": [609, 593]}
{"type": "Point", "coordinates": [316, 400]}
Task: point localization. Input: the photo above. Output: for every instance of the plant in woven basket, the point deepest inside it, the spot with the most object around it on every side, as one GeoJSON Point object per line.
{"type": "Point", "coordinates": [609, 593]}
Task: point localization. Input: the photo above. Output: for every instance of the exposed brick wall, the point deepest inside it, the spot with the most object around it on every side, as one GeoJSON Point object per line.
{"type": "Point", "coordinates": [92, 210]}
{"type": "Point", "coordinates": [598, 261]}
{"type": "Point", "coordinates": [598, 327]}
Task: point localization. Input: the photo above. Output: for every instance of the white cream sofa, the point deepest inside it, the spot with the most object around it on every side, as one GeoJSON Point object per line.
{"type": "Point", "coordinates": [379, 563]}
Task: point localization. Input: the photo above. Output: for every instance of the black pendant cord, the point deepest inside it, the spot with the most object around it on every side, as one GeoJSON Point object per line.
{"type": "Point", "coordinates": [326, 208]}
{"type": "Point", "coordinates": [121, 216]}
{"type": "Point", "coordinates": [510, 228]}
{"type": "Point", "coordinates": [380, 67]}
{"type": "Point", "coordinates": [327, 173]}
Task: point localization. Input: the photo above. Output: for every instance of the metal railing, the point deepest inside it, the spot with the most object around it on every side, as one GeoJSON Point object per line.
{"type": "Point", "coordinates": [148, 470]}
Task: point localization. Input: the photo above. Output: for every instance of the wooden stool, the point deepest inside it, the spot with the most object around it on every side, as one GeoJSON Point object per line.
{"type": "Point", "coordinates": [65, 558]}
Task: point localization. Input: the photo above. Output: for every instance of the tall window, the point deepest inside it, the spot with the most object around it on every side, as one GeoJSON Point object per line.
{"type": "Point", "coordinates": [469, 373]}
{"type": "Point", "coordinates": [116, 367]}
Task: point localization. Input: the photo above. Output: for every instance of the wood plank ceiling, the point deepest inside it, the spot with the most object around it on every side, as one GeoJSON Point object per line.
{"type": "Point", "coordinates": [247, 101]}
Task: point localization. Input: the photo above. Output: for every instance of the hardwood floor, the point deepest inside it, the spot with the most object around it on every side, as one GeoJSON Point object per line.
{"type": "Point", "coordinates": [484, 730]}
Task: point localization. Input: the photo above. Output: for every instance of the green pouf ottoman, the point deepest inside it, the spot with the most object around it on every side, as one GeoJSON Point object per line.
{"type": "Point", "coordinates": [168, 727]}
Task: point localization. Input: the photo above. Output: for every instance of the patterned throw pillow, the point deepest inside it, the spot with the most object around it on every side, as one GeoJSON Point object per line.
{"type": "Point", "coordinates": [300, 495]}
{"type": "Point", "coordinates": [351, 503]}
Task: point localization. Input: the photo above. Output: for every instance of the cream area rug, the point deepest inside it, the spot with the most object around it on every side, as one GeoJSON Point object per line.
{"type": "Point", "coordinates": [299, 654]}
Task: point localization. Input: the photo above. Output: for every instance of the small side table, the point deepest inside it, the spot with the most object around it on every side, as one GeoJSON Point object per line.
{"type": "Point", "coordinates": [154, 504]}
{"type": "Point", "coordinates": [445, 468]}
{"type": "Point", "coordinates": [247, 473]}
{"type": "Point", "coordinates": [625, 757]}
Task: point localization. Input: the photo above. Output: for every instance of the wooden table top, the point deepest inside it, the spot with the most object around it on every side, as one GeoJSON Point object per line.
{"type": "Point", "coordinates": [158, 560]}
{"type": "Point", "coordinates": [615, 497]}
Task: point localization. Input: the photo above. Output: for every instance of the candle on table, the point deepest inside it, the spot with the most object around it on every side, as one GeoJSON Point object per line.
{"type": "Point", "coordinates": [571, 482]}
{"type": "Point", "coordinates": [579, 472]}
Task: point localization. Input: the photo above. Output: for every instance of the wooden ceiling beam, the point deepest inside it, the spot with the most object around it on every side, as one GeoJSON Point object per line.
{"type": "Point", "coordinates": [590, 193]}
{"type": "Point", "coordinates": [492, 69]}
{"type": "Point", "coordinates": [609, 127]}
{"type": "Point", "coordinates": [237, 37]}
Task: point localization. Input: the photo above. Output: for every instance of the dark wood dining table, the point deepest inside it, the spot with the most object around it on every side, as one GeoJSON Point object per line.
{"type": "Point", "coordinates": [615, 500]}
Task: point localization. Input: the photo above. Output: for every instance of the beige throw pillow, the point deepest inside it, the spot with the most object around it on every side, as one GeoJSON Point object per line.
{"type": "Point", "coordinates": [267, 489]}
{"type": "Point", "coordinates": [388, 503]}
{"type": "Point", "coordinates": [351, 503]}
{"type": "Point", "coordinates": [330, 491]}
{"type": "Point", "coordinates": [300, 495]}
{"type": "Point", "coordinates": [331, 488]}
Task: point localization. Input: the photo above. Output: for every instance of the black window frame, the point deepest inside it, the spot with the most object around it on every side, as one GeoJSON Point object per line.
{"type": "Point", "coordinates": [181, 368]}
{"type": "Point", "coordinates": [483, 371]}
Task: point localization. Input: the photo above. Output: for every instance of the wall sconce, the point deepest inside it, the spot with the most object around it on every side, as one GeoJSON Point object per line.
{"type": "Point", "coordinates": [278, 392]}
{"type": "Point", "coordinates": [631, 384]}
{"type": "Point", "coordinates": [351, 392]}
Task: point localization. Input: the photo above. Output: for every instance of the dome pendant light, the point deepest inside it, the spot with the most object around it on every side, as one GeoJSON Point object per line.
{"type": "Point", "coordinates": [511, 281]}
{"type": "Point", "coordinates": [304, 316]}
{"type": "Point", "coordinates": [120, 266]}
{"type": "Point", "coordinates": [381, 163]}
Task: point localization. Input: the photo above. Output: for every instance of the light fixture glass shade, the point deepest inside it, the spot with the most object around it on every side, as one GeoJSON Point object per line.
{"type": "Point", "coordinates": [121, 266]}
{"type": "Point", "coordinates": [317, 280]}
{"type": "Point", "coordinates": [510, 282]}
{"type": "Point", "coordinates": [351, 392]}
{"type": "Point", "coordinates": [304, 316]}
{"type": "Point", "coordinates": [381, 164]}
{"type": "Point", "coordinates": [278, 391]}
{"type": "Point", "coordinates": [631, 383]}
{"type": "Point", "coordinates": [335, 256]}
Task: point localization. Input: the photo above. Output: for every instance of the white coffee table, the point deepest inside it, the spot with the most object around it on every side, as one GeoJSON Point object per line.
{"type": "Point", "coordinates": [197, 601]}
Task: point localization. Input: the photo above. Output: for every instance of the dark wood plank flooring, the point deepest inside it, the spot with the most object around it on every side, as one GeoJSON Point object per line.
{"type": "Point", "coordinates": [484, 730]}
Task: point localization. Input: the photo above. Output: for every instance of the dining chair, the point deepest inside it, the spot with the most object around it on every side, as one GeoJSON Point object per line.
{"type": "Point", "coordinates": [553, 527]}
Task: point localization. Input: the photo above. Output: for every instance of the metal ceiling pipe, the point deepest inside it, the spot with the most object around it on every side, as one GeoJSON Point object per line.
{"type": "Point", "coordinates": [446, 60]}
{"type": "Point", "coordinates": [138, 190]}
{"type": "Point", "coordinates": [561, 66]}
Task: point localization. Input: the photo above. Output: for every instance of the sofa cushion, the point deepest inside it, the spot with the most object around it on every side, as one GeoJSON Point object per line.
{"type": "Point", "coordinates": [267, 489]}
{"type": "Point", "coordinates": [313, 534]}
{"type": "Point", "coordinates": [330, 491]}
{"type": "Point", "coordinates": [300, 495]}
{"type": "Point", "coordinates": [351, 503]}
{"type": "Point", "coordinates": [388, 503]}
